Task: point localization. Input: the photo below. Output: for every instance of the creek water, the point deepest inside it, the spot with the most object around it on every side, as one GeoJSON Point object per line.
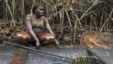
{"type": "Point", "coordinates": [6, 54]}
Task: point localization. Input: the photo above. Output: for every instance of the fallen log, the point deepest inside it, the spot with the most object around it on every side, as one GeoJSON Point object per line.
{"type": "Point", "coordinates": [94, 39]}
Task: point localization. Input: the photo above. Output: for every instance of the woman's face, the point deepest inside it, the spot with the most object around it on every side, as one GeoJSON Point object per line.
{"type": "Point", "coordinates": [39, 11]}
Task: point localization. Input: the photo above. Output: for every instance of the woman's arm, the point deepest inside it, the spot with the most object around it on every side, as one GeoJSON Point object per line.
{"type": "Point", "coordinates": [48, 27]}
{"type": "Point", "coordinates": [29, 26]}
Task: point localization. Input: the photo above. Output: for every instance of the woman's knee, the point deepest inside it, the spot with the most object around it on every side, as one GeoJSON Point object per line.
{"type": "Point", "coordinates": [50, 38]}
{"type": "Point", "coordinates": [23, 35]}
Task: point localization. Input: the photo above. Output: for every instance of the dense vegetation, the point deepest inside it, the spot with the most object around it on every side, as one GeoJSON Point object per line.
{"type": "Point", "coordinates": [67, 17]}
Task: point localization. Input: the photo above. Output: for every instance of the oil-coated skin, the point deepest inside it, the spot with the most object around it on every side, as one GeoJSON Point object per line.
{"type": "Point", "coordinates": [37, 15]}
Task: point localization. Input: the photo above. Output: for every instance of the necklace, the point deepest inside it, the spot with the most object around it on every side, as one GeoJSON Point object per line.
{"type": "Point", "coordinates": [37, 19]}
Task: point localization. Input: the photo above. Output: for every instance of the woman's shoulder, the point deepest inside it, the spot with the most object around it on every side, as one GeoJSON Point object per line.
{"type": "Point", "coordinates": [44, 18]}
{"type": "Point", "coordinates": [29, 15]}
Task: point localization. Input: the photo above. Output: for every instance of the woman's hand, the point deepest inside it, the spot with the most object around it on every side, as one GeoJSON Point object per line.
{"type": "Point", "coordinates": [38, 45]}
{"type": "Point", "coordinates": [57, 44]}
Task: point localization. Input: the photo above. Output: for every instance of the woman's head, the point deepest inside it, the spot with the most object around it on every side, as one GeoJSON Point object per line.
{"type": "Point", "coordinates": [38, 9]}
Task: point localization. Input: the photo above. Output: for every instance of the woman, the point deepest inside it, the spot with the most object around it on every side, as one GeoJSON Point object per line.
{"type": "Point", "coordinates": [38, 27]}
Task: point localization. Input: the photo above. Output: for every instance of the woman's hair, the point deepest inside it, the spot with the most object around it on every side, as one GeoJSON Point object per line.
{"type": "Point", "coordinates": [35, 6]}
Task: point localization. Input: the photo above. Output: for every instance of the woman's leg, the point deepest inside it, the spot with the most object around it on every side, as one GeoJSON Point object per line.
{"type": "Point", "coordinates": [24, 38]}
{"type": "Point", "coordinates": [24, 35]}
{"type": "Point", "coordinates": [48, 38]}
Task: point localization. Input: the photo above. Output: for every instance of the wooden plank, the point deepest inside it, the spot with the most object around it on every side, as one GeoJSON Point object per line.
{"type": "Point", "coordinates": [20, 56]}
{"type": "Point", "coordinates": [104, 54]}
